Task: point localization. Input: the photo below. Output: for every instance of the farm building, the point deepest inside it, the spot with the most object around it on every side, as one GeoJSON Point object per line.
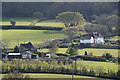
{"type": "Point", "coordinates": [22, 55]}
{"type": "Point", "coordinates": [28, 55]}
{"type": "Point", "coordinates": [3, 55]}
{"type": "Point", "coordinates": [28, 47]}
{"type": "Point", "coordinates": [95, 38]}
{"type": "Point", "coordinates": [14, 55]}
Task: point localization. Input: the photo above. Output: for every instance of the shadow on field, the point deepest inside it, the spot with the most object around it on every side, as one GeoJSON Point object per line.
{"type": "Point", "coordinates": [56, 79]}
{"type": "Point", "coordinates": [52, 32]}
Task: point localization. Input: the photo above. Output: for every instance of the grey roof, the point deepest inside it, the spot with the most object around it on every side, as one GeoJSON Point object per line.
{"type": "Point", "coordinates": [28, 45]}
{"type": "Point", "coordinates": [27, 52]}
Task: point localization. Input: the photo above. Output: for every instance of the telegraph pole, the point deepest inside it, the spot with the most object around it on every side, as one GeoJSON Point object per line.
{"type": "Point", "coordinates": [72, 70]}
{"type": "Point", "coordinates": [18, 42]}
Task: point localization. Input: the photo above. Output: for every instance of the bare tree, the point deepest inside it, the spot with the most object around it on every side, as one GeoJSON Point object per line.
{"type": "Point", "coordinates": [5, 44]}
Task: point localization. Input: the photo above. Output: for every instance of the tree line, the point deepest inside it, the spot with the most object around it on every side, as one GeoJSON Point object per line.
{"type": "Point", "coordinates": [51, 9]}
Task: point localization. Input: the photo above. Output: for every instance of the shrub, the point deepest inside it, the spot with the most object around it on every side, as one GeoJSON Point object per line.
{"type": "Point", "coordinates": [16, 76]}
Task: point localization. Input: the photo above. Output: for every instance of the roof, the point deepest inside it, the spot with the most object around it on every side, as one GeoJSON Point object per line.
{"type": "Point", "coordinates": [94, 35]}
{"type": "Point", "coordinates": [14, 54]}
{"type": "Point", "coordinates": [4, 53]}
{"type": "Point", "coordinates": [27, 52]}
{"type": "Point", "coordinates": [29, 45]}
{"type": "Point", "coordinates": [87, 36]}
{"type": "Point", "coordinates": [85, 41]}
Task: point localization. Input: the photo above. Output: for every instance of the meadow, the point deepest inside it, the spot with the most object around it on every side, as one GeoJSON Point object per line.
{"type": "Point", "coordinates": [27, 22]}
{"type": "Point", "coordinates": [35, 36]}
{"type": "Point", "coordinates": [82, 67]}
{"type": "Point", "coordinates": [94, 51]}
{"type": "Point", "coordinates": [114, 38]}
{"type": "Point", "coordinates": [59, 76]}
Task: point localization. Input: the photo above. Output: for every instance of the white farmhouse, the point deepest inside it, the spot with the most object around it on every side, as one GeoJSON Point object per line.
{"type": "Point", "coordinates": [90, 39]}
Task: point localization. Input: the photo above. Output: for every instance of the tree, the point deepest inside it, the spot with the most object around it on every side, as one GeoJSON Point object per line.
{"type": "Point", "coordinates": [5, 45]}
{"type": "Point", "coordinates": [103, 29]}
{"type": "Point", "coordinates": [16, 76]}
{"type": "Point", "coordinates": [111, 22]}
{"type": "Point", "coordinates": [53, 49]}
{"type": "Point", "coordinates": [13, 22]}
{"type": "Point", "coordinates": [73, 50]}
{"type": "Point", "coordinates": [85, 52]}
{"type": "Point", "coordinates": [107, 56]}
{"type": "Point", "coordinates": [16, 49]}
{"type": "Point", "coordinates": [71, 18]}
{"type": "Point", "coordinates": [73, 31]}
{"type": "Point", "coordinates": [38, 15]}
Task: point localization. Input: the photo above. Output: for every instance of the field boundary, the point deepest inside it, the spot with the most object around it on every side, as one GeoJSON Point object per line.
{"type": "Point", "coordinates": [31, 27]}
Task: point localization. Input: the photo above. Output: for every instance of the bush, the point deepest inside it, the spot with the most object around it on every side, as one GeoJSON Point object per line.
{"type": "Point", "coordinates": [16, 76]}
{"type": "Point", "coordinates": [47, 65]}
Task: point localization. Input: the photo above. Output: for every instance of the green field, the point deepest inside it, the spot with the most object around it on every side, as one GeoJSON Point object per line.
{"type": "Point", "coordinates": [59, 76]}
{"type": "Point", "coordinates": [96, 52]}
{"type": "Point", "coordinates": [114, 38]}
{"type": "Point", "coordinates": [35, 36]}
{"type": "Point", "coordinates": [27, 21]}
{"type": "Point", "coordinates": [98, 65]}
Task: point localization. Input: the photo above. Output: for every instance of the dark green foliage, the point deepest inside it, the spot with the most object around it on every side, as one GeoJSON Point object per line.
{"type": "Point", "coordinates": [84, 71]}
{"type": "Point", "coordinates": [71, 18]}
{"type": "Point", "coordinates": [36, 65]}
{"type": "Point", "coordinates": [107, 55]}
{"type": "Point", "coordinates": [53, 48]}
{"type": "Point", "coordinates": [16, 49]}
{"type": "Point", "coordinates": [73, 50]}
{"type": "Point", "coordinates": [13, 22]}
{"type": "Point", "coordinates": [118, 74]}
{"type": "Point", "coordinates": [51, 9]}
{"type": "Point", "coordinates": [16, 76]}
{"type": "Point", "coordinates": [85, 52]}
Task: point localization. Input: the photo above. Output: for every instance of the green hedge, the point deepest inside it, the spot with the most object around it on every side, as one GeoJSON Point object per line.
{"type": "Point", "coordinates": [35, 65]}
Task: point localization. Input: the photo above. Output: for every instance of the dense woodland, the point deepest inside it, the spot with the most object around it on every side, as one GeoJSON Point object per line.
{"type": "Point", "coordinates": [51, 9]}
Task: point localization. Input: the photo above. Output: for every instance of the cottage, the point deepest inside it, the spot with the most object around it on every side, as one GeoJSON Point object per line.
{"type": "Point", "coordinates": [95, 38]}
{"type": "Point", "coordinates": [28, 47]}
{"type": "Point", "coordinates": [27, 54]}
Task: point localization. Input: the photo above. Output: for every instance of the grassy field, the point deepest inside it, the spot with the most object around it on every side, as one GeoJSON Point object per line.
{"type": "Point", "coordinates": [59, 76]}
{"type": "Point", "coordinates": [96, 52]}
{"type": "Point", "coordinates": [114, 38]}
{"type": "Point", "coordinates": [35, 36]}
{"type": "Point", "coordinates": [98, 65]}
{"type": "Point", "coordinates": [27, 21]}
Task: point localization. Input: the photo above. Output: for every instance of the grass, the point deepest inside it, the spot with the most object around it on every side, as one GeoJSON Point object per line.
{"type": "Point", "coordinates": [96, 52]}
{"type": "Point", "coordinates": [114, 38]}
{"type": "Point", "coordinates": [98, 65]}
{"type": "Point", "coordinates": [35, 36]}
{"type": "Point", "coordinates": [50, 23]}
{"type": "Point", "coordinates": [27, 21]}
{"type": "Point", "coordinates": [47, 76]}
